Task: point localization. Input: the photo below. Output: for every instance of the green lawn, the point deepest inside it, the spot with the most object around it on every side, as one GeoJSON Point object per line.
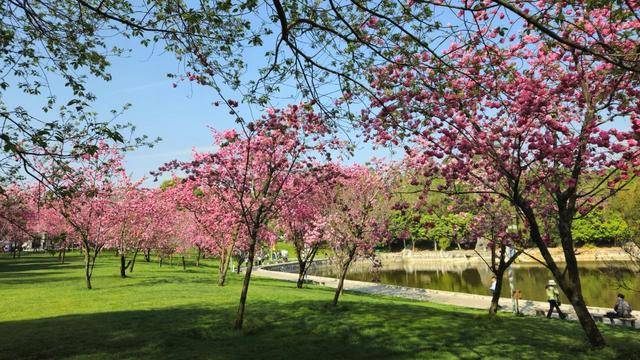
{"type": "Point", "coordinates": [169, 313]}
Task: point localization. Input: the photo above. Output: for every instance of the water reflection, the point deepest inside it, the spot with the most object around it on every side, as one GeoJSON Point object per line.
{"type": "Point", "coordinates": [599, 283]}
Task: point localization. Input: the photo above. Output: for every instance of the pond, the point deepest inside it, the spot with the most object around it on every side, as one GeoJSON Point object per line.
{"type": "Point", "coordinates": [600, 281]}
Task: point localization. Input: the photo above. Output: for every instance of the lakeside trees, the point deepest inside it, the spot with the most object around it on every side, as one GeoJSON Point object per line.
{"type": "Point", "coordinates": [252, 167]}
{"type": "Point", "coordinates": [301, 218]}
{"type": "Point", "coordinates": [520, 117]}
{"type": "Point", "coordinates": [357, 222]}
{"type": "Point", "coordinates": [496, 223]}
{"type": "Point", "coordinates": [532, 102]}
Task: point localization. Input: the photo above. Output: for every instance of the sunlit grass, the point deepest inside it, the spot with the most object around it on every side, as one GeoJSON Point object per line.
{"type": "Point", "coordinates": [166, 312]}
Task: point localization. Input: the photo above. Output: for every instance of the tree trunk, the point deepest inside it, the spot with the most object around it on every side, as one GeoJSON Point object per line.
{"type": "Point", "coordinates": [303, 264]}
{"type": "Point", "coordinates": [87, 266]}
{"type": "Point", "coordinates": [61, 255]}
{"type": "Point", "coordinates": [345, 268]}
{"type": "Point", "coordinates": [133, 261]}
{"type": "Point", "coordinates": [123, 266]}
{"type": "Point", "coordinates": [587, 322]}
{"type": "Point", "coordinates": [301, 273]}
{"type": "Point", "coordinates": [161, 258]}
{"type": "Point", "coordinates": [247, 279]}
{"type": "Point", "coordinates": [568, 280]}
{"type": "Point", "coordinates": [198, 257]}
{"type": "Point", "coordinates": [223, 268]}
{"type": "Point", "coordinates": [147, 255]}
{"type": "Point", "coordinates": [573, 291]}
{"type": "Point", "coordinates": [184, 264]}
{"type": "Point", "coordinates": [570, 283]}
{"type": "Point", "coordinates": [240, 262]}
{"type": "Point", "coordinates": [222, 272]}
{"type": "Point", "coordinates": [493, 309]}
{"type": "Point", "coordinates": [225, 259]}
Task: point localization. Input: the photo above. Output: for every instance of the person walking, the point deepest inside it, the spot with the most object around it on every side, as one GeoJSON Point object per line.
{"type": "Point", "coordinates": [553, 297]}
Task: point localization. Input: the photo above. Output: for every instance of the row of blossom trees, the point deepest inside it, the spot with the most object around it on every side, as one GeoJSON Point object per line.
{"type": "Point", "coordinates": [270, 179]}
{"type": "Point", "coordinates": [534, 102]}
{"type": "Point", "coordinates": [91, 203]}
{"type": "Point", "coordinates": [274, 176]}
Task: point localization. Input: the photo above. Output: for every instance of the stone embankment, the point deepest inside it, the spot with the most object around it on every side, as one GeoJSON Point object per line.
{"type": "Point", "coordinates": [529, 257]}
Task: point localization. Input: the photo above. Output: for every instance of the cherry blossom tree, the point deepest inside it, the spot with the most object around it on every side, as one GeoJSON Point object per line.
{"type": "Point", "coordinates": [606, 31]}
{"type": "Point", "coordinates": [524, 119]}
{"type": "Point", "coordinates": [252, 166]}
{"type": "Point", "coordinates": [324, 45]}
{"type": "Point", "coordinates": [156, 219]}
{"type": "Point", "coordinates": [207, 222]}
{"type": "Point", "coordinates": [16, 217]}
{"type": "Point", "coordinates": [83, 197]}
{"type": "Point", "coordinates": [306, 200]}
{"type": "Point", "coordinates": [49, 222]}
{"type": "Point", "coordinates": [358, 218]}
{"type": "Point", "coordinates": [125, 217]}
{"type": "Point", "coordinates": [496, 223]}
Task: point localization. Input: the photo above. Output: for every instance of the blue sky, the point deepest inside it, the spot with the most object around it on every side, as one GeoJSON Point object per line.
{"type": "Point", "coordinates": [179, 116]}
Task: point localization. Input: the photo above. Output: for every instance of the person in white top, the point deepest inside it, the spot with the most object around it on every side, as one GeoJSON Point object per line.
{"type": "Point", "coordinates": [494, 281]}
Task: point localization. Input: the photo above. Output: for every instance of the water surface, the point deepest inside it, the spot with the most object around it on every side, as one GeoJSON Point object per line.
{"type": "Point", "coordinates": [600, 281]}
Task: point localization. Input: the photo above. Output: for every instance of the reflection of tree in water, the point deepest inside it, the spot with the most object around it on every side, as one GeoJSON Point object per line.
{"type": "Point", "coordinates": [625, 275]}
{"type": "Point", "coordinates": [598, 279]}
{"type": "Point", "coordinates": [376, 267]}
{"type": "Point", "coordinates": [598, 283]}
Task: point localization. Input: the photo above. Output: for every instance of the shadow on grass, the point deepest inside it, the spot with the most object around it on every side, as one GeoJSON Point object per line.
{"type": "Point", "coordinates": [280, 324]}
{"type": "Point", "coordinates": [34, 270]}
{"type": "Point", "coordinates": [299, 330]}
{"type": "Point", "coordinates": [32, 264]}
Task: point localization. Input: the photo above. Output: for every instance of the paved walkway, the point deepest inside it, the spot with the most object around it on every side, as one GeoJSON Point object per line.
{"type": "Point", "coordinates": [527, 307]}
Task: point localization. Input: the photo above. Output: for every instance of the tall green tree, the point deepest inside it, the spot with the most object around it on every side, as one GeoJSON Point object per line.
{"type": "Point", "coordinates": [627, 204]}
{"type": "Point", "coordinates": [599, 227]}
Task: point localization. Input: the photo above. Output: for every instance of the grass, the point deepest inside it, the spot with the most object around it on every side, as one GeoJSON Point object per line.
{"type": "Point", "coordinates": [169, 313]}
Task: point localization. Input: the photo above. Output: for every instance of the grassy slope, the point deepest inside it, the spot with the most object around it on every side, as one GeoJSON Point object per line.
{"type": "Point", "coordinates": [170, 313]}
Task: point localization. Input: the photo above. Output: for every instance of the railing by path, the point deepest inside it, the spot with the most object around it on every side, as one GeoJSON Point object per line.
{"type": "Point", "coordinates": [292, 266]}
{"type": "Point", "coordinates": [584, 254]}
